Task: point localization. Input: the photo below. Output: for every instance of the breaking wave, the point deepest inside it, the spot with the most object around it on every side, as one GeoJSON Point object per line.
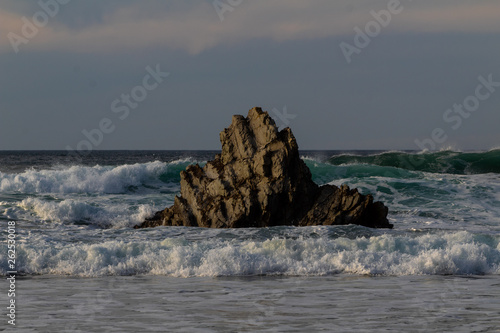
{"type": "Point", "coordinates": [96, 179]}
{"type": "Point", "coordinates": [274, 251]}
{"type": "Point", "coordinates": [436, 162]}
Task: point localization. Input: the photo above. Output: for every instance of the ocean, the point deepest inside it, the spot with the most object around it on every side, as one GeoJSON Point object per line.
{"type": "Point", "coordinates": [81, 267]}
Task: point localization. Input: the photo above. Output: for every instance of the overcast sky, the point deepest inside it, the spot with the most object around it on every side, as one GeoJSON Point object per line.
{"type": "Point", "coordinates": [345, 74]}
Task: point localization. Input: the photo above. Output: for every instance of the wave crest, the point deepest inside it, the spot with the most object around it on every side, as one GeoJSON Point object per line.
{"type": "Point", "coordinates": [97, 179]}
{"type": "Point", "coordinates": [436, 162]}
{"type": "Point", "coordinates": [456, 253]}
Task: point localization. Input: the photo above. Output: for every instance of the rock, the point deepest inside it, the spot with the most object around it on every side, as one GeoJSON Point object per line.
{"type": "Point", "coordinates": [259, 180]}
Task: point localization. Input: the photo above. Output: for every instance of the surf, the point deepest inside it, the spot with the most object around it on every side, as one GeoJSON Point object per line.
{"type": "Point", "coordinates": [451, 162]}
{"type": "Point", "coordinates": [312, 251]}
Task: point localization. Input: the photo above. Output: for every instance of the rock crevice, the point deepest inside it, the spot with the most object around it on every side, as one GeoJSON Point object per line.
{"type": "Point", "coordinates": [259, 180]}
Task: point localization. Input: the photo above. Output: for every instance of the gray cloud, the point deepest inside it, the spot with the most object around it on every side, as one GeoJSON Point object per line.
{"type": "Point", "coordinates": [268, 54]}
{"type": "Point", "coordinates": [194, 26]}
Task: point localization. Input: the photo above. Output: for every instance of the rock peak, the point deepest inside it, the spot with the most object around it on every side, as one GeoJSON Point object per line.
{"type": "Point", "coordinates": [259, 180]}
{"type": "Point", "coordinates": [247, 135]}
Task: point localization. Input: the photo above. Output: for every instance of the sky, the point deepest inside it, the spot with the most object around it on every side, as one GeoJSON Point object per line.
{"type": "Point", "coordinates": [88, 75]}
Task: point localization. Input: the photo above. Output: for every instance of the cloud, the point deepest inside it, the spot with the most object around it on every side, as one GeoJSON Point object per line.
{"type": "Point", "coordinates": [197, 27]}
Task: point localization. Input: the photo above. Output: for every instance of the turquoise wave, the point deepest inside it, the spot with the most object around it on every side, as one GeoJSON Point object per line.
{"type": "Point", "coordinates": [450, 162]}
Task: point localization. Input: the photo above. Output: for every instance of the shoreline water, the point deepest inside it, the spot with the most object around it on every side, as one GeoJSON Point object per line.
{"type": "Point", "coordinates": [337, 303]}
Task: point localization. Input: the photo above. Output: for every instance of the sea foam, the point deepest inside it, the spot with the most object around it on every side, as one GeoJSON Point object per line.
{"type": "Point", "coordinates": [84, 179]}
{"type": "Point", "coordinates": [455, 253]}
{"type": "Point", "coordinates": [98, 213]}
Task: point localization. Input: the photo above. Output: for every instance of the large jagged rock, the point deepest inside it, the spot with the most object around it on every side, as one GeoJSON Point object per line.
{"type": "Point", "coordinates": [259, 180]}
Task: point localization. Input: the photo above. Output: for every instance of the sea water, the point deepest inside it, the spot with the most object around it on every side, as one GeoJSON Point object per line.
{"type": "Point", "coordinates": [82, 267]}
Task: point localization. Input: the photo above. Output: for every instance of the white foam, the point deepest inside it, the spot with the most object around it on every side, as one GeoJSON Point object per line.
{"type": "Point", "coordinates": [84, 211]}
{"type": "Point", "coordinates": [451, 253]}
{"type": "Point", "coordinates": [470, 202]}
{"type": "Point", "coordinates": [82, 179]}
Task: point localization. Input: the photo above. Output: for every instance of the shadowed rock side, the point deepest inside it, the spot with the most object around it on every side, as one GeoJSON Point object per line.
{"type": "Point", "coordinates": [259, 180]}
